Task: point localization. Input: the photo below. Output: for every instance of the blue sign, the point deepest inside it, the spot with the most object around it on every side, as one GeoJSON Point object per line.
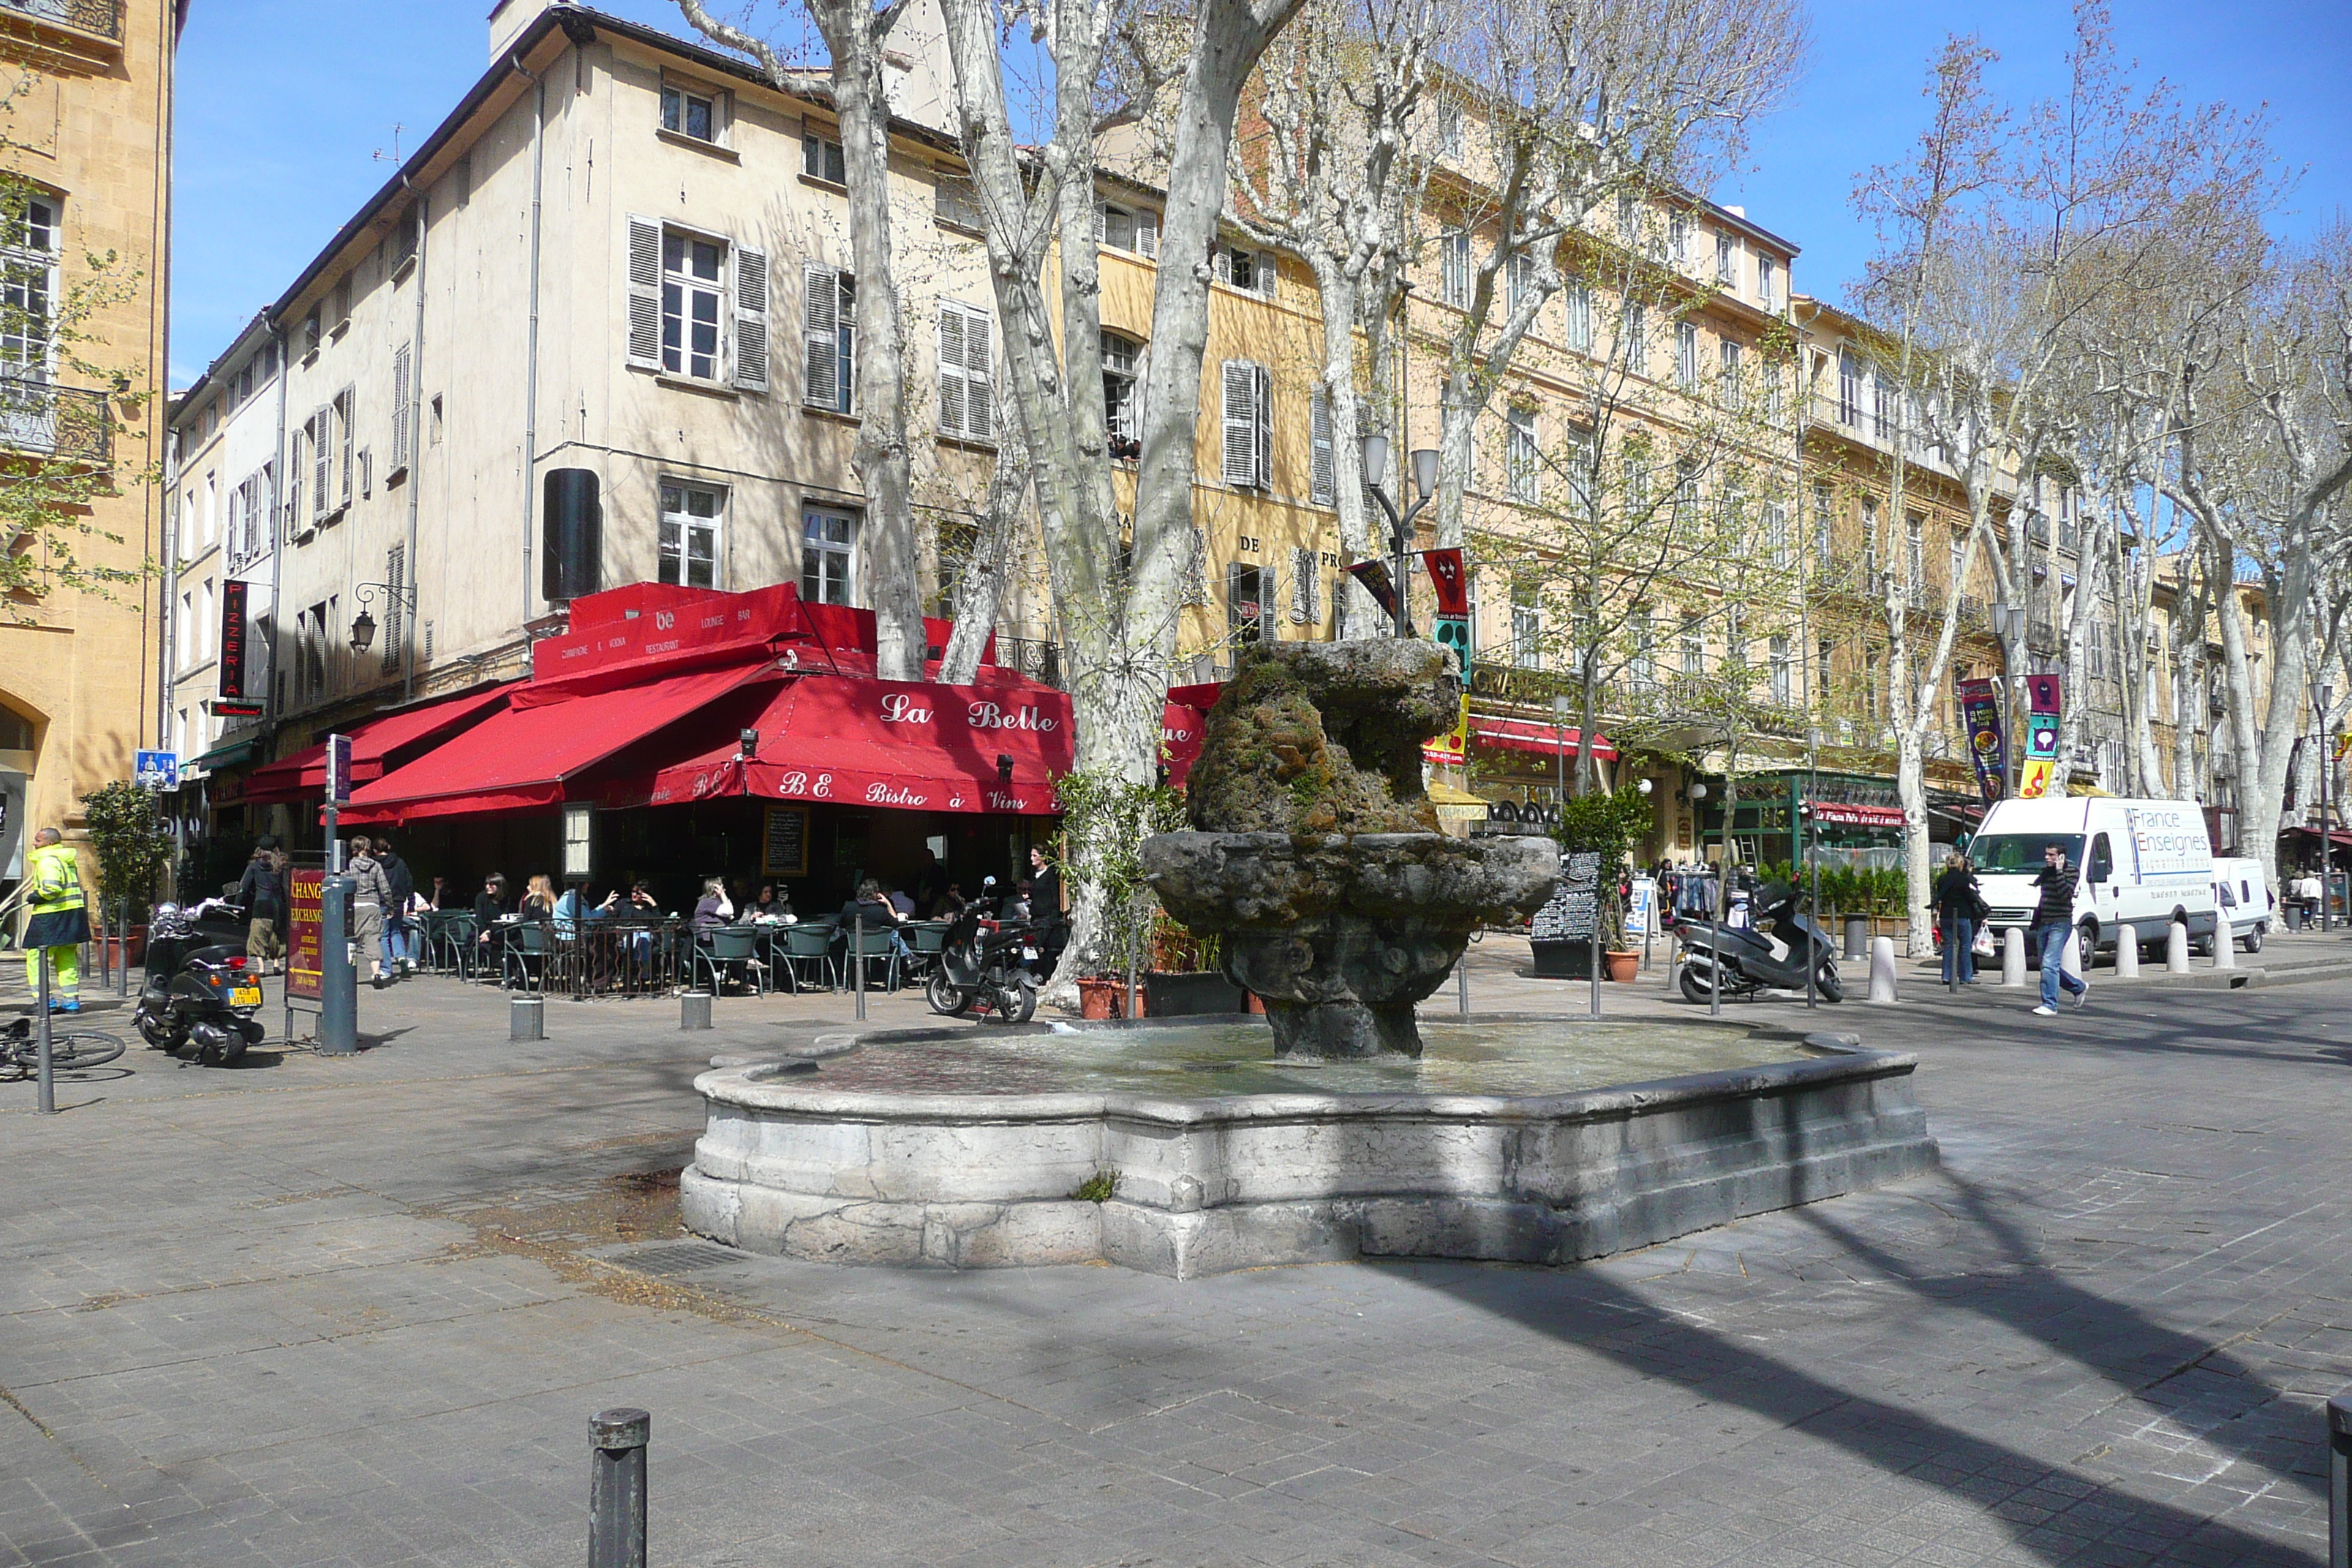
{"type": "Point", "coordinates": [156, 770]}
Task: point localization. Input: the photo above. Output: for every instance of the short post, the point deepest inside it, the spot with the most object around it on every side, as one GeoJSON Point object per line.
{"type": "Point", "coordinates": [694, 1010]}
{"type": "Point", "coordinates": [527, 1018]}
{"type": "Point", "coordinates": [1462, 983]}
{"type": "Point", "coordinates": [2176, 949]}
{"type": "Point", "coordinates": [49, 1082]}
{"type": "Point", "coordinates": [1133, 994]}
{"type": "Point", "coordinates": [105, 954]}
{"type": "Point", "coordinates": [1593, 951]}
{"type": "Point", "coordinates": [616, 1488]}
{"type": "Point", "coordinates": [1673, 957]}
{"type": "Point", "coordinates": [2339, 1483]}
{"type": "Point", "coordinates": [122, 980]}
{"type": "Point", "coordinates": [2225, 943]}
{"type": "Point", "coordinates": [1857, 936]}
{"type": "Point", "coordinates": [2012, 958]}
{"type": "Point", "coordinates": [2126, 953]}
{"type": "Point", "coordinates": [1882, 969]}
{"type": "Point", "coordinates": [858, 961]}
{"type": "Point", "coordinates": [1715, 960]}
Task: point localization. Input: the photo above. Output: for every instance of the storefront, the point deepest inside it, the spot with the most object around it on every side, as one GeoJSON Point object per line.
{"type": "Point", "coordinates": [1855, 819]}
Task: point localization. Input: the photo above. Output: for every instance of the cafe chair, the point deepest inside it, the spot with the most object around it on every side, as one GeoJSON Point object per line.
{"type": "Point", "coordinates": [802, 947]}
{"type": "Point", "coordinates": [524, 955]}
{"type": "Point", "coordinates": [730, 948]}
{"type": "Point", "coordinates": [877, 945]}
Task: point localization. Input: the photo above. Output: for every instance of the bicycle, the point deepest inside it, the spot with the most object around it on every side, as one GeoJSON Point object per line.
{"type": "Point", "coordinates": [69, 1051]}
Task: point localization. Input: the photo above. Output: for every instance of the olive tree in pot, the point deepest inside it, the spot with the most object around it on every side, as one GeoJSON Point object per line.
{"type": "Point", "coordinates": [132, 849]}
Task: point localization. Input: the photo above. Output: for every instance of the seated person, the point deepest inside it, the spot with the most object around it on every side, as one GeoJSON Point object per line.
{"type": "Point", "coordinates": [903, 902]}
{"type": "Point", "coordinates": [950, 903]}
{"type": "Point", "coordinates": [713, 910]}
{"type": "Point", "coordinates": [773, 904]}
{"type": "Point", "coordinates": [869, 905]}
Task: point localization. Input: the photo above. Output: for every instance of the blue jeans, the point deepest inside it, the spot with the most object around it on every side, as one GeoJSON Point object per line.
{"type": "Point", "coordinates": [1960, 948]}
{"type": "Point", "coordinates": [400, 940]}
{"type": "Point", "coordinates": [2052, 942]}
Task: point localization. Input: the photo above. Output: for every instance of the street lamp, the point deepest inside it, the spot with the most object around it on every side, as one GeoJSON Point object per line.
{"type": "Point", "coordinates": [1424, 482]}
{"type": "Point", "coordinates": [364, 627]}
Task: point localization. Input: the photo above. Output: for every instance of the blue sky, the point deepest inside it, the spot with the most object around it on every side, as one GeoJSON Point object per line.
{"type": "Point", "coordinates": [284, 103]}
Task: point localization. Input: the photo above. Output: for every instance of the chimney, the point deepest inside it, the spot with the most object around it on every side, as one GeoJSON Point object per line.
{"type": "Point", "coordinates": [508, 20]}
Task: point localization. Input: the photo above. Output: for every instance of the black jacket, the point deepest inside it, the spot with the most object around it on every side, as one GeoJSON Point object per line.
{"type": "Point", "coordinates": [262, 892]}
{"type": "Point", "coordinates": [1955, 894]}
{"type": "Point", "coordinates": [2057, 886]}
{"type": "Point", "coordinates": [397, 877]}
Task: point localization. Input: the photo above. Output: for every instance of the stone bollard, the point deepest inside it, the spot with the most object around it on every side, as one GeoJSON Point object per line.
{"type": "Point", "coordinates": [2126, 953]}
{"type": "Point", "coordinates": [2012, 958]}
{"type": "Point", "coordinates": [527, 1018]}
{"type": "Point", "coordinates": [2176, 949]}
{"type": "Point", "coordinates": [694, 1010]}
{"type": "Point", "coordinates": [1882, 969]}
{"type": "Point", "coordinates": [617, 1488]}
{"type": "Point", "coordinates": [2225, 944]}
{"type": "Point", "coordinates": [1857, 937]}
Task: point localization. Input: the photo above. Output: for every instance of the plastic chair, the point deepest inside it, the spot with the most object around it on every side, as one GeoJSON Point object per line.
{"type": "Point", "coordinates": [877, 945]}
{"type": "Point", "coordinates": [735, 946]}
{"type": "Point", "coordinates": [525, 951]}
{"type": "Point", "coordinates": [804, 946]}
{"type": "Point", "coordinates": [927, 940]}
{"type": "Point", "coordinates": [449, 938]}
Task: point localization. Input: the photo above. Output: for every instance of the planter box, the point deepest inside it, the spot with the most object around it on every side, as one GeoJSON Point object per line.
{"type": "Point", "coordinates": [1204, 991]}
{"type": "Point", "coordinates": [136, 942]}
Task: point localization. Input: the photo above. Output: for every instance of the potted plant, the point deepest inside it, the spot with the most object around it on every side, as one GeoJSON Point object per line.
{"type": "Point", "coordinates": [132, 849]}
{"type": "Point", "coordinates": [1607, 824]}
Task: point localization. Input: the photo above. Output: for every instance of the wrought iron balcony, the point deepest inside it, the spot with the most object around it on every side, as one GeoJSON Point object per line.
{"type": "Point", "coordinates": [71, 424]}
{"type": "Point", "coordinates": [103, 17]}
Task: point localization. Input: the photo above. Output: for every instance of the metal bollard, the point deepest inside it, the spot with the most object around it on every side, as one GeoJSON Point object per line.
{"type": "Point", "coordinates": [617, 1488]}
{"type": "Point", "coordinates": [1882, 969]}
{"type": "Point", "coordinates": [694, 1010]}
{"type": "Point", "coordinates": [2176, 949]}
{"type": "Point", "coordinates": [2012, 958]}
{"type": "Point", "coordinates": [1857, 937]}
{"type": "Point", "coordinates": [2339, 1483]}
{"type": "Point", "coordinates": [527, 1018]}
{"type": "Point", "coordinates": [1462, 983]}
{"type": "Point", "coordinates": [47, 1092]}
{"type": "Point", "coordinates": [2126, 953]}
{"type": "Point", "coordinates": [858, 961]}
{"type": "Point", "coordinates": [2225, 944]}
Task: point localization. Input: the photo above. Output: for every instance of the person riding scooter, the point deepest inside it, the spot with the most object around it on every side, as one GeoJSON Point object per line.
{"type": "Point", "coordinates": [207, 993]}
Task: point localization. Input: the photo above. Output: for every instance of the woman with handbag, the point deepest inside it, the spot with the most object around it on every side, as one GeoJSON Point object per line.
{"type": "Point", "coordinates": [1958, 905]}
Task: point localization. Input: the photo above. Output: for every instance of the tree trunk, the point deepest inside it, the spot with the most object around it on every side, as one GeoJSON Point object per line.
{"type": "Point", "coordinates": [979, 587]}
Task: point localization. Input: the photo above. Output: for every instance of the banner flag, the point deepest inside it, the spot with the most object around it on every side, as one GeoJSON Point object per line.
{"type": "Point", "coordinates": [1452, 587]}
{"type": "Point", "coordinates": [1980, 714]}
{"type": "Point", "coordinates": [1373, 574]}
{"type": "Point", "coordinates": [2042, 709]}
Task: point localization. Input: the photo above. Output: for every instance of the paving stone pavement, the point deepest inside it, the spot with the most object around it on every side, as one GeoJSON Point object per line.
{"type": "Point", "coordinates": [359, 1311]}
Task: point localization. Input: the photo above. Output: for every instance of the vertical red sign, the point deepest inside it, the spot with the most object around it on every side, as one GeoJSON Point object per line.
{"type": "Point", "coordinates": [232, 638]}
{"type": "Point", "coordinates": [304, 968]}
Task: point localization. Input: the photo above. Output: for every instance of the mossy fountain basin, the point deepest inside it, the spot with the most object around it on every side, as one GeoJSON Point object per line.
{"type": "Point", "coordinates": [1183, 1147]}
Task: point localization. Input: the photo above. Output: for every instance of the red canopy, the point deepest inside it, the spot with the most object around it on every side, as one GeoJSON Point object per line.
{"type": "Point", "coordinates": [906, 744]}
{"type": "Point", "coordinates": [520, 759]}
{"type": "Point", "coordinates": [303, 775]}
{"type": "Point", "coordinates": [1527, 735]}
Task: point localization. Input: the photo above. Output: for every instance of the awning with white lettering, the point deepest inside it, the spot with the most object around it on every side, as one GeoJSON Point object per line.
{"type": "Point", "coordinates": [1843, 815]}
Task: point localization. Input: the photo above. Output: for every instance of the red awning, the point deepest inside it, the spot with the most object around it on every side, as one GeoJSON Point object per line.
{"type": "Point", "coordinates": [519, 759]}
{"type": "Point", "coordinates": [905, 744]}
{"type": "Point", "coordinates": [1527, 735]}
{"type": "Point", "coordinates": [1843, 815]}
{"type": "Point", "coordinates": [303, 775]}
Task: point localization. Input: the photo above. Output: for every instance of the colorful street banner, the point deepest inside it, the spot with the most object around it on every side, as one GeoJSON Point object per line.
{"type": "Point", "coordinates": [1452, 585]}
{"type": "Point", "coordinates": [1373, 574]}
{"type": "Point", "coordinates": [1452, 748]}
{"type": "Point", "coordinates": [1980, 713]}
{"type": "Point", "coordinates": [2041, 707]}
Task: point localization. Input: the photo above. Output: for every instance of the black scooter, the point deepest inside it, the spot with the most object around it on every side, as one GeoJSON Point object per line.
{"type": "Point", "coordinates": [196, 990]}
{"type": "Point", "coordinates": [1774, 955]}
{"type": "Point", "coordinates": [983, 965]}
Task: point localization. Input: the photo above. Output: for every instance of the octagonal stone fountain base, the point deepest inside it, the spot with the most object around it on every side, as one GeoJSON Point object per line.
{"type": "Point", "coordinates": [893, 1154]}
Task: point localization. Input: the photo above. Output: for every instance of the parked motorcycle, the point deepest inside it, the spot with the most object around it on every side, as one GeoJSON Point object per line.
{"type": "Point", "coordinates": [984, 965]}
{"type": "Point", "coordinates": [196, 990]}
{"type": "Point", "coordinates": [1774, 953]}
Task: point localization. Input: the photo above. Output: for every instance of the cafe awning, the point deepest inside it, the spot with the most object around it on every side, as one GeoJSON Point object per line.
{"type": "Point", "coordinates": [303, 775]}
{"type": "Point", "coordinates": [995, 746]}
{"type": "Point", "coordinates": [1545, 740]}
{"type": "Point", "coordinates": [520, 760]}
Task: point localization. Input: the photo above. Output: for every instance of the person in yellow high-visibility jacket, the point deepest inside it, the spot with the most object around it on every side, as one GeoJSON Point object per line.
{"type": "Point", "coordinates": [60, 918]}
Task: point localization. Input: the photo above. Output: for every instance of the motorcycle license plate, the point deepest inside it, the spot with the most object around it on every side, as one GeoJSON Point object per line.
{"type": "Point", "coordinates": [245, 996]}
{"type": "Point", "coordinates": [1028, 953]}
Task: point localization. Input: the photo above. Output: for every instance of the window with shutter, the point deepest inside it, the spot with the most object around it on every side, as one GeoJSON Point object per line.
{"type": "Point", "coordinates": [322, 454]}
{"type": "Point", "coordinates": [1264, 404]}
{"type": "Point", "coordinates": [1240, 422]}
{"type": "Point", "coordinates": [967, 406]}
{"type": "Point", "coordinates": [955, 202]}
{"type": "Point", "coordinates": [400, 398]}
{"type": "Point", "coordinates": [345, 445]}
{"type": "Point", "coordinates": [751, 320]}
{"type": "Point", "coordinates": [396, 608]}
{"type": "Point", "coordinates": [1325, 478]}
{"type": "Point", "coordinates": [645, 293]}
{"type": "Point", "coordinates": [828, 336]}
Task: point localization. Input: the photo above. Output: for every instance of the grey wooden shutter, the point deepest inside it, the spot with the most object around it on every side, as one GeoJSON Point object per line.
{"type": "Point", "coordinates": [979, 361]}
{"type": "Point", "coordinates": [1147, 231]}
{"type": "Point", "coordinates": [1326, 478]}
{"type": "Point", "coordinates": [400, 400]}
{"type": "Point", "coordinates": [322, 453]}
{"type": "Point", "coordinates": [751, 320]}
{"type": "Point", "coordinates": [396, 609]}
{"type": "Point", "coordinates": [1240, 422]}
{"type": "Point", "coordinates": [345, 407]}
{"type": "Point", "coordinates": [1263, 443]}
{"type": "Point", "coordinates": [821, 332]}
{"type": "Point", "coordinates": [952, 378]}
{"type": "Point", "coordinates": [645, 292]}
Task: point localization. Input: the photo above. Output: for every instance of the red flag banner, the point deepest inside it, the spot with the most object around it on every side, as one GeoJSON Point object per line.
{"type": "Point", "coordinates": [1452, 585]}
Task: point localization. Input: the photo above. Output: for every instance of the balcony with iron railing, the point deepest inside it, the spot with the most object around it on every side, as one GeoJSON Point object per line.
{"type": "Point", "coordinates": [102, 17]}
{"type": "Point", "coordinates": [66, 424]}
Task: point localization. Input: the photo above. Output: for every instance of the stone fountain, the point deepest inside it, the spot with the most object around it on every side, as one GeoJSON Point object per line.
{"type": "Point", "coordinates": [1318, 858]}
{"type": "Point", "coordinates": [1336, 1127]}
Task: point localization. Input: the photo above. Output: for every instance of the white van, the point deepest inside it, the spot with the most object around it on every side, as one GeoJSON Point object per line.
{"type": "Point", "coordinates": [2145, 863]}
{"type": "Point", "coordinates": [2244, 895]}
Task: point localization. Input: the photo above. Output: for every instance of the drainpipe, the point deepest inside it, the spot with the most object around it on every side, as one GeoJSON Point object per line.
{"type": "Point", "coordinates": [166, 618]}
{"type": "Point", "coordinates": [416, 446]}
{"type": "Point", "coordinates": [530, 344]}
{"type": "Point", "coordinates": [278, 543]}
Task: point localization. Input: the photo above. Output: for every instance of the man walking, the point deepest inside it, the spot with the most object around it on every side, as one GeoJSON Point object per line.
{"type": "Point", "coordinates": [2054, 922]}
{"type": "Point", "coordinates": [60, 920]}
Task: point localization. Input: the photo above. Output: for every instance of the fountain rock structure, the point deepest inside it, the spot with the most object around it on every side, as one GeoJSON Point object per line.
{"type": "Point", "coordinates": [1316, 855]}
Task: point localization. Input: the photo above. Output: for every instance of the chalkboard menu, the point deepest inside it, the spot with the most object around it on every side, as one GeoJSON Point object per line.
{"type": "Point", "coordinates": [1572, 915]}
{"type": "Point", "coordinates": [786, 842]}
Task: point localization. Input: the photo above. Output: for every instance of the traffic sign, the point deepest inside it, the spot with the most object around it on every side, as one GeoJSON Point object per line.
{"type": "Point", "coordinates": [156, 770]}
{"type": "Point", "coordinates": [339, 770]}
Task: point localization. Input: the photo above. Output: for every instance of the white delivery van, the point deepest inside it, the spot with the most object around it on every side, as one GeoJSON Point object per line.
{"type": "Point", "coordinates": [2144, 863]}
{"type": "Point", "coordinates": [2243, 893]}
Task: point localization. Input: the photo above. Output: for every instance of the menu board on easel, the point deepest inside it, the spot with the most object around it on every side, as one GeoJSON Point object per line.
{"type": "Point", "coordinates": [1569, 916]}
{"type": "Point", "coordinates": [784, 851]}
